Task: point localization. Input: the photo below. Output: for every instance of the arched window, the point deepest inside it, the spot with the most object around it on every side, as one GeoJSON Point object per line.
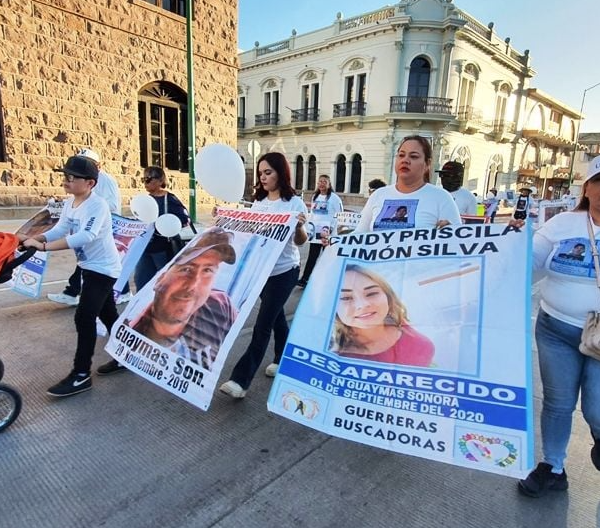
{"type": "Point", "coordinates": [356, 175]}
{"type": "Point", "coordinates": [340, 173]}
{"type": "Point", "coordinates": [418, 85]}
{"type": "Point", "coordinates": [299, 172]}
{"type": "Point", "coordinates": [312, 173]}
{"type": "Point", "coordinates": [162, 112]}
{"type": "Point", "coordinates": [501, 101]}
{"type": "Point", "coordinates": [468, 80]}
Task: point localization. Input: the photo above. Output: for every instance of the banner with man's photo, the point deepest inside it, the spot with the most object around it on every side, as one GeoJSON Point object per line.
{"type": "Point", "coordinates": [28, 277]}
{"type": "Point", "coordinates": [419, 343]}
{"type": "Point", "coordinates": [178, 329]}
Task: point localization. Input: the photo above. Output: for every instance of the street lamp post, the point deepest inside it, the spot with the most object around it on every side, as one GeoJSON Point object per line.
{"type": "Point", "coordinates": [577, 133]}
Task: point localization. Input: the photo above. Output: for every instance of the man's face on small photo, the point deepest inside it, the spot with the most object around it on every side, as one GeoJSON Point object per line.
{"type": "Point", "coordinates": [184, 288]}
{"type": "Point", "coordinates": [578, 249]}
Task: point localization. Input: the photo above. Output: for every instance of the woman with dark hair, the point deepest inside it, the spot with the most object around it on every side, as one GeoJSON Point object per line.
{"type": "Point", "coordinates": [325, 204]}
{"type": "Point", "coordinates": [427, 206]}
{"type": "Point", "coordinates": [159, 250]}
{"type": "Point", "coordinates": [568, 292]}
{"type": "Point", "coordinates": [372, 323]}
{"type": "Point", "coordinates": [274, 194]}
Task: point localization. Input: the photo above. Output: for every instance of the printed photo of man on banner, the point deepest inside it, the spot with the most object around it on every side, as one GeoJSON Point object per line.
{"type": "Point", "coordinates": [177, 330]}
{"type": "Point", "coordinates": [346, 222]}
{"type": "Point", "coordinates": [421, 347]}
{"type": "Point", "coordinates": [28, 278]}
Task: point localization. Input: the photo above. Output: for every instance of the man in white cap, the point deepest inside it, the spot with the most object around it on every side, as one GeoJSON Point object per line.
{"type": "Point", "coordinates": [106, 188]}
{"type": "Point", "coordinates": [524, 202]}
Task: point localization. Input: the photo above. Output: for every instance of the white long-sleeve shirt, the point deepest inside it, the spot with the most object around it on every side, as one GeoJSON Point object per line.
{"type": "Point", "coordinates": [87, 229]}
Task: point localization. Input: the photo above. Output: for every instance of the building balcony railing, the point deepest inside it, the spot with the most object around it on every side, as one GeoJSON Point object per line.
{"type": "Point", "coordinates": [271, 48]}
{"type": "Point", "coordinates": [241, 122]}
{"type": "Point", "coordinates": [266, 119]}
{"type": "Point", "coordinates": [356, 108]}
{"type": "Point", "coordinates": [503, 127]}
{"type": "Point", "coordinates": [420, 105]}
{"type": "Point", "coordinates": [469, 113]}
{"type": "Point", "coordinates": [305, 114]}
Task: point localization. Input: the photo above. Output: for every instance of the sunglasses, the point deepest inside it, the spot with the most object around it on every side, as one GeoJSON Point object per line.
{"type": "Point", "coordinates": [70, 178]}
{"type": "Point", "coordinates": [148, 180]}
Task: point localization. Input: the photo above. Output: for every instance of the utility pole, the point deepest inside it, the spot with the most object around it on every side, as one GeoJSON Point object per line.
{"type": "Point", "coordinates": [577, 134]}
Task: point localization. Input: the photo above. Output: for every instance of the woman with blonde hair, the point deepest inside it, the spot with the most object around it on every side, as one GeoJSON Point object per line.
{"type": "Point", "coordinates": [372, 323]}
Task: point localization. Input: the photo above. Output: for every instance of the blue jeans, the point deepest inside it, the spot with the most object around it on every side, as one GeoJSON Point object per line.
{"type": "Point", "coordinates": [565, 371]}
{"type": "Point", "coordinates": [96, 301]}
{"type": "Point", "coordinates": [148, 266]}
{"type": "Point", "coordinates": [271, 317]}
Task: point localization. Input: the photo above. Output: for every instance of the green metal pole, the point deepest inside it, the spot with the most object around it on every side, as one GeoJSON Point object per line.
{"type": "Point", "coordinates": [191, 109]}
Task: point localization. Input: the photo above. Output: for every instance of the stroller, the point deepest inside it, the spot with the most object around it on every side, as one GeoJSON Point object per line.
{"type": "Point", "coordinates": [10, 399]}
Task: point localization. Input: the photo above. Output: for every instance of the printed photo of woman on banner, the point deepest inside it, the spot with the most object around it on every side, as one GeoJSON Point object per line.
{"type": "Point", "coordinates": [422, 316]}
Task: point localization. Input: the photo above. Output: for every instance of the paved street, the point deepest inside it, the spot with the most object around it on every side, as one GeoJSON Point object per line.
{"type": "Point", "coordinates": [128, 454]}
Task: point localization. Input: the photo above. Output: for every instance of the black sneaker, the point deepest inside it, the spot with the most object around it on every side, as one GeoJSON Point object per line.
{"type": "Point", "coordinates": [110, 367]}
{"type": "Point", "coordinates": [72, 384]}
{"type": "Point", "coordinates": [541, 480]}
{"type": "Point", "coordinates": [595, 454]}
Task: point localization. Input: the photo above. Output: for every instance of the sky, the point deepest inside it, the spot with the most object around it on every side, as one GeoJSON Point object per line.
{"type": "Point", "coordinates": [557, 33]}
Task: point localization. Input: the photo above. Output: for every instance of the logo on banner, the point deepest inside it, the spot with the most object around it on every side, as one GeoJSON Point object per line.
{"type": "Point", "coordinates": [488, 450]}
{"type": "Point", "coordinates": [295, 404]}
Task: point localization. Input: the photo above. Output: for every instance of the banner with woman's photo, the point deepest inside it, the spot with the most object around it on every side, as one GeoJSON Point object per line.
{"type": "Point", "coordinates": [419, 343]}
{"type": "Point", "coordinates": [178, 329]}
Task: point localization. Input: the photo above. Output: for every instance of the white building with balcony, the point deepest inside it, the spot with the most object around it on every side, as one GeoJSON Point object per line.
{"type": "Point", "coordinates": [338, 100]}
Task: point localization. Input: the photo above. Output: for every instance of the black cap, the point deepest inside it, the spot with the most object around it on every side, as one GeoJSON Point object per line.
{"type": "Point", "coordinates": [80, 167]}
{"type": "Point", "coordinates": [452, 167]}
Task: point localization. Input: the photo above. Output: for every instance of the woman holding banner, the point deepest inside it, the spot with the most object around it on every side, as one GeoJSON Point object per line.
{"type": "Point", "coordinates": [565, 371]}
{"type": "Point", "coordinates": [274, 194]}
{"type": "Point", "coordinates": [325, 204]}
{"type": "Point", "coordinates": [427, 206]}
{"type": "Point", "coordinates": [371, 323]}
{"type": "Point", "coordinates": [159, 250]}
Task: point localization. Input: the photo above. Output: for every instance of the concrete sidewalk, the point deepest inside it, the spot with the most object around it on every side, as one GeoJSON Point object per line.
{"type": "Point", "coordinates": [128, 454]}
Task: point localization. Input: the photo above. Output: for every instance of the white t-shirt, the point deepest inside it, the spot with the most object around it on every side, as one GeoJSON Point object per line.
{"type": "Point", "coordinates": [388, 208]}
{"type": "Point", "coordinates": [106, 187]}
{"type": "Point", "coordinates": [290, 256]}
{"type": "Point", "coordinates": [322, 215]}
{"type": "Point", "coordinates": [568, 290]}
{"type": "Point", "coordinates": [465, 201]}
{"type": "Point", "coordinates": [88, 230]}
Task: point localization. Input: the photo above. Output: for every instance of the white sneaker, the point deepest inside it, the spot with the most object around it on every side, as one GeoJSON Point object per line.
{"type": "Point", "coordinates": [271, 370]}
{"type": "Point", "coordinates": [124, 298]}
{"type": "Point", "coordinates": [62, 298]}
{"type": "Point", "coordinates": [233, 389]}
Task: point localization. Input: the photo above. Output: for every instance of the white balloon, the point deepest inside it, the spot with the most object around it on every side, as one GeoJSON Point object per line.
{"type": "Point", "coordinates": [168, 225]}
{"type": "Point", "coordinates": [220, 171]}
{"type": "Point", "coordinates": [144, 208]}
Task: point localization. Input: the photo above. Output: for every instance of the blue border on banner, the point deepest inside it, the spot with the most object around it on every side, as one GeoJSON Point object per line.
{"type": "Point", "coordinates": [528, 347]}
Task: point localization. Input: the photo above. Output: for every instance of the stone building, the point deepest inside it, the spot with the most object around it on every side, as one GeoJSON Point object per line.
{"type": "Point", "coordinates": [339, 99]}
{"type": "Point", "coordinates": [110, 75]}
